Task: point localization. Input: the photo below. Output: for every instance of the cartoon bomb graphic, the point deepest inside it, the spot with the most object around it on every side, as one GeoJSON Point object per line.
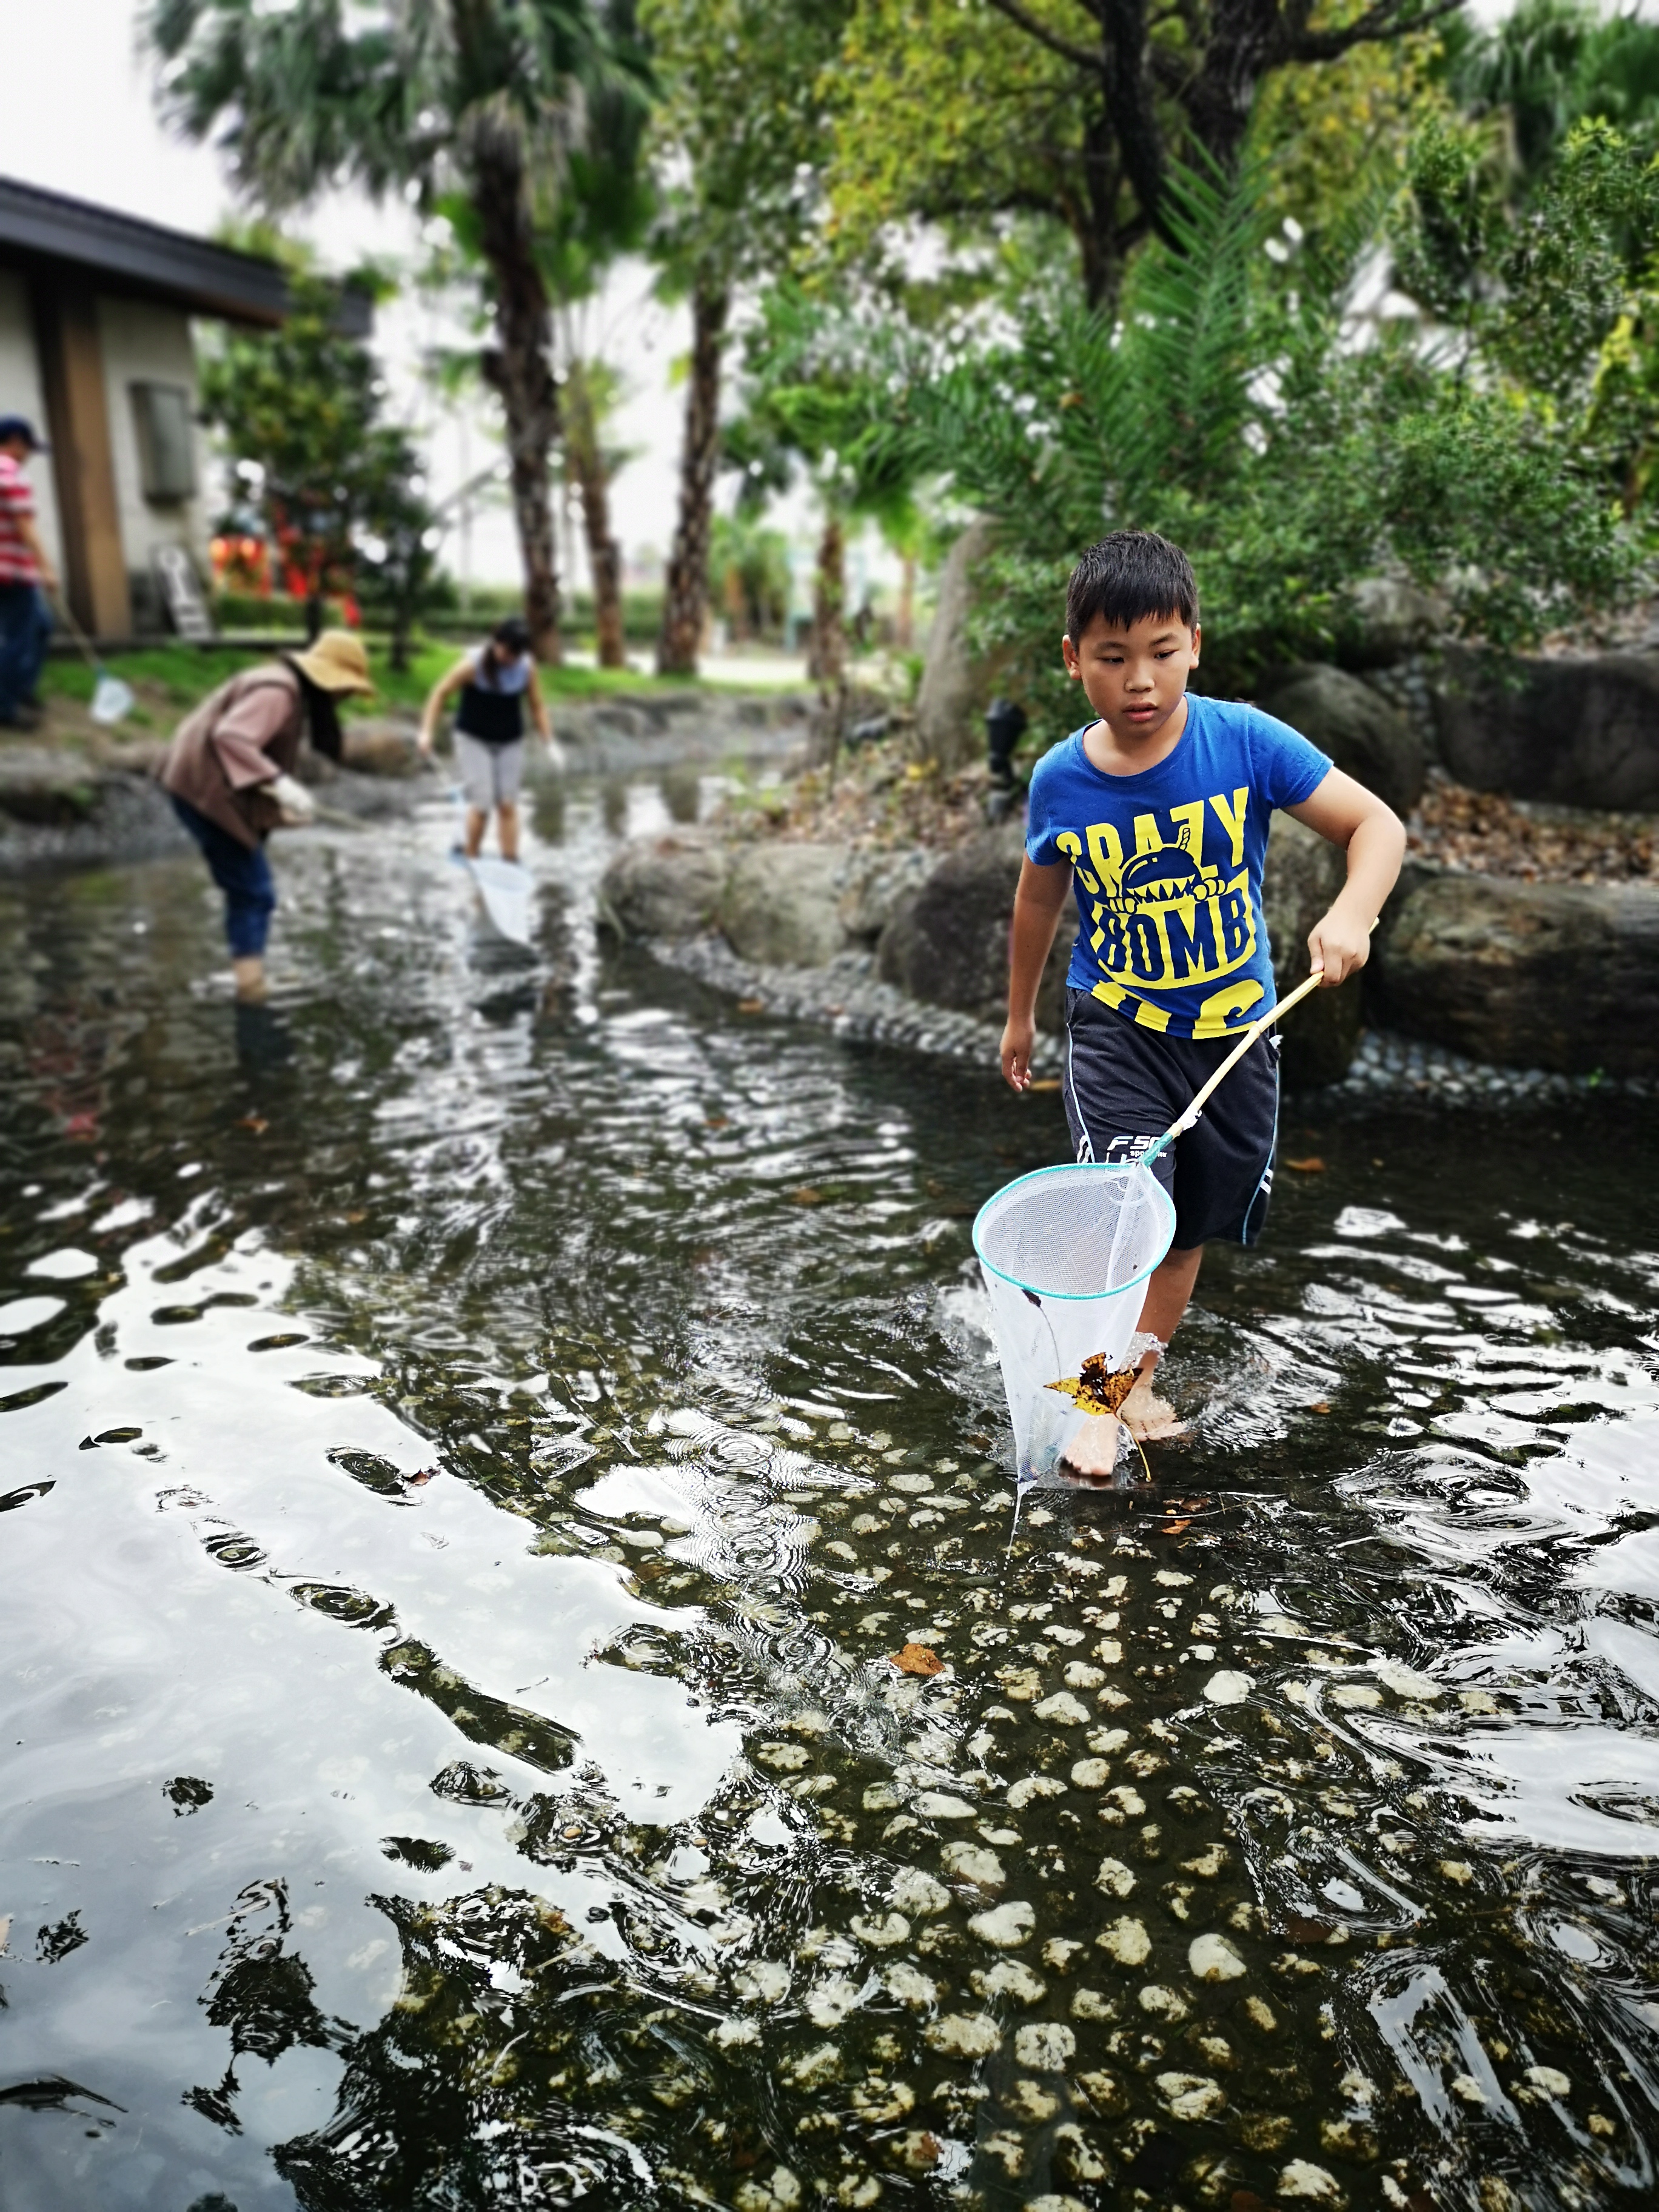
{"type": "Point", "coordinates": [1165, 875]}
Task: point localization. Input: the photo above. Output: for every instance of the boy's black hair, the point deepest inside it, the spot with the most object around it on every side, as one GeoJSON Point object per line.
{"type": "Point", "coordinates": [513, 634]}
{"type": "Point", "coordinates": [1127, 577]}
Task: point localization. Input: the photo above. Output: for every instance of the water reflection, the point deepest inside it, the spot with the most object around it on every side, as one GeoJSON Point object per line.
{"type": "Point", "coordinates": [472, 1445]}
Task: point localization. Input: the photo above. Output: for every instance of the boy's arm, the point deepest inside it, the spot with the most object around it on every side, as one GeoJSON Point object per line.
{"type": "Point", "coordinates": [1345, 813]}
{"type": "Point", "coordinates": [1037, 904]}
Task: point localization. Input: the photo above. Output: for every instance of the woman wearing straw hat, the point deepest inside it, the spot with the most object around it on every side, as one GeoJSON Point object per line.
{"type": "Point", "coordinates": [229, 772]}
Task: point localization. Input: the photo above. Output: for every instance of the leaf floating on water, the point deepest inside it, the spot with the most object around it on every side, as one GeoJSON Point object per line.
{"type": "Point", "coordinates": [255, 1122]}
{"type": "Point", "coordinates": [917, 1659]}
{"type": "Point", "coordinates": [807, 1197]}
{"type": "Point", "coordinates": [751, 1005]}
{"type": "Point", "coordinates": [1312, 1165]}
{"type": "Point", "coordinates": [1096, 1389]}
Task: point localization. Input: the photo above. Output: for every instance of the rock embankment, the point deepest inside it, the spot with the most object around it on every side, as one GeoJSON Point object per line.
{"type": "Point", "coordinates": [1561, 978]}
{"type": "Point", "coordinates": [883, 931]}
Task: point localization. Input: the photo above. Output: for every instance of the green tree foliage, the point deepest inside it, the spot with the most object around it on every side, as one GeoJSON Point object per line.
{"type": "Point", "coordinates": [950, 109]}
{"type": "Point", "coordinates": [1236, 406]}
{"type": "Point", "coordinates": [300, 412]}
{"type": "Point", "coordinates": [482, 98]}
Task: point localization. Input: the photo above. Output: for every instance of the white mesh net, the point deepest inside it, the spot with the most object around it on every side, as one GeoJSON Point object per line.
{"type": "Point", "coordinates": [1066, 1253]}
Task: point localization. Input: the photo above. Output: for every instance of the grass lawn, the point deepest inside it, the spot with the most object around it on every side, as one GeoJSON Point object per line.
{"type": "Point", "coordinates": [171, 678]}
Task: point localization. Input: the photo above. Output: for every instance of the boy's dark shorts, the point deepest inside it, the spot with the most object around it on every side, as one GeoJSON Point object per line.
{"type": "Point", "coordinates": [1123, 1086]}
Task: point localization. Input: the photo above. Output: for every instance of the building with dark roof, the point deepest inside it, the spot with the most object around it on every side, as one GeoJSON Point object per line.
{"type": "Point", "coordinates": [96, 349]}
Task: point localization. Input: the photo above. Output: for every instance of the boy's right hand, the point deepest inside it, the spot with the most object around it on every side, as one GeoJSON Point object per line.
{"type": "Point", "coordinates": [1017, 1039]}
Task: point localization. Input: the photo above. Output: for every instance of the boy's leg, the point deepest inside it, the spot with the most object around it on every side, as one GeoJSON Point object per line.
{"type": "Point", "coordinates": [1122, 1086]}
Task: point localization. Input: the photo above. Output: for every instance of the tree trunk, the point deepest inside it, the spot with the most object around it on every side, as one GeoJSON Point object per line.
{"type": "Point", "coordinates": [1248, 39]}
{"type": "Point", "coordinates": [604, 554]}
{"type": "Point", "coordinates": [904, 627]}
{"type": "Point", "coordinates": [685, 587]}
{"type": "Point", "coordinates": [827, 662]}
{"type": "Point", "coordinates": [517, 367]}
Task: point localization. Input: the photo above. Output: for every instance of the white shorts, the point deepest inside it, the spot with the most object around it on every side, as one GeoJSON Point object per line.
{"type": "Point", "coordinates": [491, 775]}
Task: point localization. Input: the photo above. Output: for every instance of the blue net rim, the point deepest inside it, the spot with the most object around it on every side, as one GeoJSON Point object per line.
{"type": "Point", "coordinates": [1072, 1168]}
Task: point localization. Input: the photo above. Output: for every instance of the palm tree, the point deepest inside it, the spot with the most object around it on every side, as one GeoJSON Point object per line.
{"type": "Point", "coordinates": [483, 98]}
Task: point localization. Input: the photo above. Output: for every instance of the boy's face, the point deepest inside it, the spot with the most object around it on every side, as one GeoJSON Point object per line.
{"type": "Point", "coordinates": [1134, 678]}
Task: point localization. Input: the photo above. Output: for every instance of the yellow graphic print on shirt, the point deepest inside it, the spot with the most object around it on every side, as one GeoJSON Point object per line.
{"type": "Point", "coordinates": [1165, 917]}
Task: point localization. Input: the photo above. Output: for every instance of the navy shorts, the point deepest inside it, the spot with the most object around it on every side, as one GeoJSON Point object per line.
{"type": "Point", "coordinates": [1123, 1086]}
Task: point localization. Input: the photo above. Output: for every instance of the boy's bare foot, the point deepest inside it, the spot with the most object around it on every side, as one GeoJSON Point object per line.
{"type": "Point", "coordinates": [1148, 1417]}
{"type": "Point", "coordinates": [1093, 1450]}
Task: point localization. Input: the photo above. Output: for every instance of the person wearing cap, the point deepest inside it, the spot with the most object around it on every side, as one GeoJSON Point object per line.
{"type": "Point", "coordinates": [26, 576]}
{"type": "Point", "coordinates": [229, 772]}
{"type": "Point", "coordinates": [495, 682]}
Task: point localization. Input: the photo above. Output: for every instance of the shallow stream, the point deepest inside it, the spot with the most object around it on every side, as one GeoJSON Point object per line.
{"type": "Point", "coordinates": [473, 1436]}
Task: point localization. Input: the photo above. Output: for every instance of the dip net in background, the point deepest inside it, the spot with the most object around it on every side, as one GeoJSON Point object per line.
{"type": "Point", "coordinates": [1066, 1253]}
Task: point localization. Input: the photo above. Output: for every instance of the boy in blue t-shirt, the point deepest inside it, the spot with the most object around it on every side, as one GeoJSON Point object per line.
{"type": "Point", "coordinates": [1157, 814]}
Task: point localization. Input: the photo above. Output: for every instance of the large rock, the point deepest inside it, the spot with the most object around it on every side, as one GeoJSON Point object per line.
{"type": "Point", "coordinates": [779, 906]}
{"type": "Point", "coordinates": [947, 945]}
{"type": "Point", "coordinates": [378, 747]}
{"type": "Point", "coordinates": [665, 886]}
{"type": "Point", "coordinates": [1582, 731]}
{"type": "Point", "coordinates": [1367, 739]}
{"type": "Point", "coordinates": [953, 692]}
{"type": "Point", "coordinates": [878, 883]}
{"type": "Point", "coordinates": [1304, 874]}
{"type": "Point", "coordinates": [1556, 975]}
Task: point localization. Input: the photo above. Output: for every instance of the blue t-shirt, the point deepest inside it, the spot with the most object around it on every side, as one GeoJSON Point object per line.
{"type": "Point", "coordinates": [1167, 865]}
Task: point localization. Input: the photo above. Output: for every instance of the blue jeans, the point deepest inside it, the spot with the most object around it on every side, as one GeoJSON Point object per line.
{"type": "Point", "coordinates": [242, 874]}
{"type": "Point", "coordinates": [25, 626]}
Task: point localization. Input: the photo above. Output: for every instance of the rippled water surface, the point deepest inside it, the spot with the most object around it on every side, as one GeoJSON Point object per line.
{"type": "Point", "coordinates": [472, 1438]}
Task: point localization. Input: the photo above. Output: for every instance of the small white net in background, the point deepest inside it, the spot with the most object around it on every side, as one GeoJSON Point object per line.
{"type": "Point", "coordinates": [1066, 1253]}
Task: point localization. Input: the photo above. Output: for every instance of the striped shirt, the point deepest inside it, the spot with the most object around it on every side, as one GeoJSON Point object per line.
{"type": "Point", "coordinates": [17, 563]}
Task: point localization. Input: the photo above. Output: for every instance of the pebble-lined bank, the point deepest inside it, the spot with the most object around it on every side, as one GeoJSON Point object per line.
{"type": "Point", "coordinates": [847, 996]}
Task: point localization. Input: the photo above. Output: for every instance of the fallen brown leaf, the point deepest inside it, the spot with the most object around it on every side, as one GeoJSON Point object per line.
{"type": "Point", "coordinates": [807, 1197]}
{"type": "Point", "coordinates": [917, 1659]}
{"type": "Point", "coordinates": [751, 1005]}
{"type": "Point", "coordinates": [256, 1122]}
{"type": "Point", "coordinates": [1322, 1407]}
{"type": "Point", "coordinates": [1094, 1389]}
{"type": "Point", "coordinates": [1312, 1165]}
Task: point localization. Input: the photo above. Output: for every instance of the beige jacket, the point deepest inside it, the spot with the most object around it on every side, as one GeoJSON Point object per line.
{"type": "Point", "coordinates": [242, 738]}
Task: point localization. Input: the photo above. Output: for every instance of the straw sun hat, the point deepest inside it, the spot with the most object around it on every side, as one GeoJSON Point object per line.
{"type": "Point", "coordinates": [337, 662]}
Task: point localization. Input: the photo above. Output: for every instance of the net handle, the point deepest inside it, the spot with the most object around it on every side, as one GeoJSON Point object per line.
{"type": "Point", "coordinates": [1186, 1121]}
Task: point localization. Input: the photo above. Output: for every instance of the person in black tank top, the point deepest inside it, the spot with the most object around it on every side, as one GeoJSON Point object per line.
{"type": "Point", "coordinates": [495, 683]}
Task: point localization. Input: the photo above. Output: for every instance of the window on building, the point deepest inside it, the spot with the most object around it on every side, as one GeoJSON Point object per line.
{"type": "Point", "coordinates": [167, 442]}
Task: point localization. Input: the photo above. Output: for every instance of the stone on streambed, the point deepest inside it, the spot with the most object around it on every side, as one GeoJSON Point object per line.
{"type": "Point", "coordinates": [666, 886]}
{"type": "Point", "coordinates": [779, 908]}
{"type": "Point", "coordinates": [1126, 1940]}
{"type": "Point", "coordinates": [1367, 739]}
{"type": "Point", "coordinates": [947, 945]}
{"type": "Point", "coordinates": [1302, 875]}
{"type": "Point", "coordinates": [972, 1862]}
{"type": "Point", "coordinates": [1212, 1958]}
{"type": "Point", "coordinates": [1576, 730]}
{"type": "Point", "coordinates": [1561, 976]}
{"type": "Point", "coordinates": [963, 2035]}
{"type": "Point", "coordinates": [1005, 1927]}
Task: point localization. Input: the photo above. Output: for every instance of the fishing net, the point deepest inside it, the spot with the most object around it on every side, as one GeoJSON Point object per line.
{"type": "Point", "coordinates": [1066, 1253]}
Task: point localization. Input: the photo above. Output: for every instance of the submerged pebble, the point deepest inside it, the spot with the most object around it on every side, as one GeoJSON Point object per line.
{"type": "Point", "coordinates": [1212, 1958]}
{"type": "Point", "coordinates": [1126, 1941]}
{"type": "Point", "coordinates": [1045, 2046]}
{"type": "Point", "coordinates": [1005, 1926]}
{"type": "Point", "coordinates": [964, 2035]}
